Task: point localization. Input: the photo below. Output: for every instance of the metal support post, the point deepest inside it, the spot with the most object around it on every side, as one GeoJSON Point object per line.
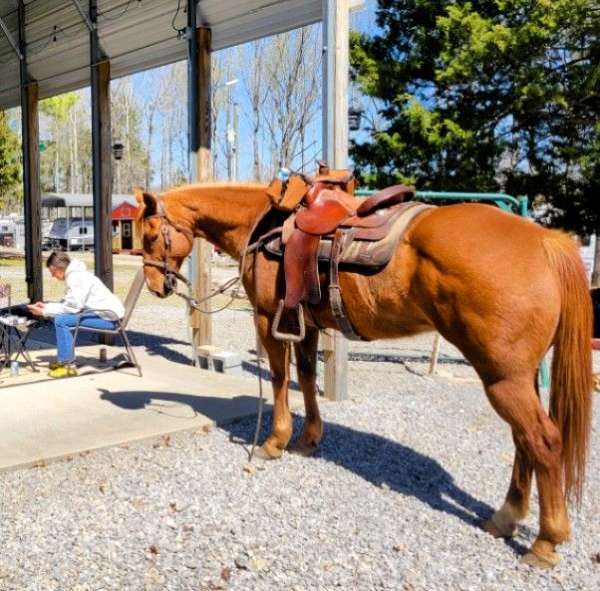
{"type": "Point", "coordinates": [335, 151]}
{"type": "Point", "coordinates": [31, 171]}
{"type": "Point", "coordinates": [101, 154]}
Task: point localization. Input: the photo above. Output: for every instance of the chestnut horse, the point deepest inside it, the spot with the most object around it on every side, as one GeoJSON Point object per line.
{"type": "Point", "coordinates": [499, 287]}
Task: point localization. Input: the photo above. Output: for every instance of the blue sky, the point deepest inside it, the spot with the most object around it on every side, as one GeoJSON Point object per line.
{"type": "Point", "coordinates": [361, 20]}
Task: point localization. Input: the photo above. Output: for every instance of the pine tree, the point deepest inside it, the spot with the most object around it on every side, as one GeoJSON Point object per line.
{"type": "Point", "coordinates": [486, 96]}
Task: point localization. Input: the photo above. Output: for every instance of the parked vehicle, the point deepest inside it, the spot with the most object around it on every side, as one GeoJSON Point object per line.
{"type": "Point", "coordinates": [79, 234]}
{"type": "Point", "coordinates": [8, 232]}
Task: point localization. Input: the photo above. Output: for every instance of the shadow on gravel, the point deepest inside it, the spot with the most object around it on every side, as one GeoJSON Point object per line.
{"type": "Point", "coordinates": [155, 344]}
{"type": "Point", "coordinates": [388, 464]}
{"type": "Point", "coordinates": [251, 367]}
{"type": "Point", "coordinates": [220, 410]}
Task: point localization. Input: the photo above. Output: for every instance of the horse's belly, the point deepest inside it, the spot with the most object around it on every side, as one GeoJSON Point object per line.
{"type": "Point", "coordinates": [380, 305]}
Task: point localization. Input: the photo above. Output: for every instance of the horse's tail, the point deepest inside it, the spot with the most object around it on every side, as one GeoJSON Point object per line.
{"type": "Point", "coordinates": [571, 389]}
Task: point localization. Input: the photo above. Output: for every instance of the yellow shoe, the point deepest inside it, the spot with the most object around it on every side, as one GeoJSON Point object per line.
{"type": "Point", "coordinates": [63, 371]}
{"type": "Point", "coordinates": [54, 365]}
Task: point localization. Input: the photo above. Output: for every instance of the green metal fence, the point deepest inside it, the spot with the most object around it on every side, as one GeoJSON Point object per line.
{"type": "Point", "coordinates": [518, 205]}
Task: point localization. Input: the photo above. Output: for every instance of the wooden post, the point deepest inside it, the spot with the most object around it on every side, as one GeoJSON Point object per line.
{"type": "Point", "coordinates": [199, 91]}
{"type": "Point", "coordinates": [335, 150]}
{"type": "Point", "coordinates": [101, 155]}
{"type": "Point", "coordinates": [31, 171]}
{"type": "Point", "coordinates": [435, 353]}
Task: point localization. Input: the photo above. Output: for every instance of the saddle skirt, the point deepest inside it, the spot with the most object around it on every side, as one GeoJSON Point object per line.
{"type": "Point", "coordinates": [370, 246]}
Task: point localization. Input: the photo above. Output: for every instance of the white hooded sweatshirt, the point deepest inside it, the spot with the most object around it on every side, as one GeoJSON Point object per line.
{"type": "Point", "coordinates": [84, 291]}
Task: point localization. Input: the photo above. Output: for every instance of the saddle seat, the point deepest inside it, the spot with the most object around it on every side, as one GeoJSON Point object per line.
{"type": "Point", "coordinates": [331, 209]}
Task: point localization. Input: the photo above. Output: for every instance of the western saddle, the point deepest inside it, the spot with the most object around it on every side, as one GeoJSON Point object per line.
{"type": "Point", "coordinates": [327, 223]}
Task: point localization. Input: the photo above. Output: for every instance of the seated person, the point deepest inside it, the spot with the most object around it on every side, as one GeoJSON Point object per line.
{"type": "Point", "coordinates": [86, 300]}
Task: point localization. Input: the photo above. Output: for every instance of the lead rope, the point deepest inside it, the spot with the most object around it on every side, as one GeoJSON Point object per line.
{"type": "Point", "coordinates": [172, 276]}
{"type": "Point", "coordinates": [194, 303]}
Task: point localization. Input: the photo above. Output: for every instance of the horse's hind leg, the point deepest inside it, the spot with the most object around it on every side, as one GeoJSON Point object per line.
{"type": "Point", "coordinates": [516, 505]}
{"type": "Point", "coordinates": [279, 360]}
{"type": "Point", "coordinates": [537, 437]}
{"type": "Point", "coordinates": [306, 360]}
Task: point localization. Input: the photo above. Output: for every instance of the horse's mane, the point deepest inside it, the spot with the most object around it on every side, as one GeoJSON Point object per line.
{"type": "Point", "coordinates": [215, 185]}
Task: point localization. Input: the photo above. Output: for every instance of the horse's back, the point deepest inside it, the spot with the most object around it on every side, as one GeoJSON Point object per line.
{"type": "Point", "coordinates": [475, 229]}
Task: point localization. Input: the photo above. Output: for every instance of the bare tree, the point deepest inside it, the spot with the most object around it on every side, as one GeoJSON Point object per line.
{"type": "Point", "coordinates": [126, 114]}
{"type": "Point", "coordinates": [292, 72]}
{"type": "Point", "coordinates": [257, 93]}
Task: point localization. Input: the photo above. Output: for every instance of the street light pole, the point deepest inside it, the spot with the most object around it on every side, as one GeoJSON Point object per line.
{"type": "Point", "coordinates": [229, 135]}
{"type": "Point", "coordinates": [236, 139]}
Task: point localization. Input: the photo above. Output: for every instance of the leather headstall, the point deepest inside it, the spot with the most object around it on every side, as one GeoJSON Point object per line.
{"type": "Point", "coordinates": [166, 225]}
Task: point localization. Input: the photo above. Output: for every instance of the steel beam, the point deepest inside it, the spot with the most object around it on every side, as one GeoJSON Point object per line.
{"type": "Point", "coordinates": [31, 171]}
{"type": "Point", "coordinates": [11, 39]}
{"type": "Point", "coordinates": [335, 151]}
{"type": "Point", "coordinates": [101, 154]}
{"type": "Point", "coordinates": [90, 24]}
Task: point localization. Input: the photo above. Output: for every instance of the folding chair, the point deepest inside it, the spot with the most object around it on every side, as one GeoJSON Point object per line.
{"type": "Point", "coordinates": [5, 306]}
{"type": "Point", "coordinates": [120, 330]}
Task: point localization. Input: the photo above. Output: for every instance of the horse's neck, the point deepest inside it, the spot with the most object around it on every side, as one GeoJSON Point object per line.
{"type": "Point", "coordinates": [224, 214]}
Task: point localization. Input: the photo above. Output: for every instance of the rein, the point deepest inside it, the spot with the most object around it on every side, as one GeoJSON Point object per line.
{"type": "Point", "coordinates": [172, 276]}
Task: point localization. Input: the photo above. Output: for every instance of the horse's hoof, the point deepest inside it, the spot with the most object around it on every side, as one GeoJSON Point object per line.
{"type": "Point", "coordinates": [547, 561]}
{"type": "Point", "coordinates": [267, 453]}
{"type": "Point", "coordinates": [492, 528]}
{"type": "Point", "coordinates": [303, 449]}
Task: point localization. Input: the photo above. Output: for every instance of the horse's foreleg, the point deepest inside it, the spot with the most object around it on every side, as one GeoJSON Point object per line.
{"type": "Point", "coordinates": [535, 434]}
{"type": "Point", "coordinates": [279, 360]}
{"type": "Point", "coordinates": [306, 360]}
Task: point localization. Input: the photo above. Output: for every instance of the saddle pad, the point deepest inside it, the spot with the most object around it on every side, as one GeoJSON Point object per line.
{"type": "Point", "coordinates": [361, 252]}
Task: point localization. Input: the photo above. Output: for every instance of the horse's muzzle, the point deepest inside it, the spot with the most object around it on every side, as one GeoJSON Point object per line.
{"type": "Point", "coordinates": [168, 288]}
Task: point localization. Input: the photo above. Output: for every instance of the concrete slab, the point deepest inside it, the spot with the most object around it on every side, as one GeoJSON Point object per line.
{"type": "Point", "coordinates": [42, 419]}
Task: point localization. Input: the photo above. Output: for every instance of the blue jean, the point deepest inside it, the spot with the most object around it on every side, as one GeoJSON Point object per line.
{"type": "Point", "coordinates": [64, 336]}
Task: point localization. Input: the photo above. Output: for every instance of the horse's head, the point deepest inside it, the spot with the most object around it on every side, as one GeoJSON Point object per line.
{"type": "Point", "coordinates": [165, 242]}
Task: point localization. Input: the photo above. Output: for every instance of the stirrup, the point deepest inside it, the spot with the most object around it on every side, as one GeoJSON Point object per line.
{"type": "Point", "coordinates": [288, 336]}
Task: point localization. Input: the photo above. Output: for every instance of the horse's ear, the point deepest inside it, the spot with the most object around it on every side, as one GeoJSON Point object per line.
{"type": "Point", "coordinates": [351, 185]}
{"type": "Point", "coordinates": [147, 203]}
{"type": "Point", "coordinates": [323, 168]}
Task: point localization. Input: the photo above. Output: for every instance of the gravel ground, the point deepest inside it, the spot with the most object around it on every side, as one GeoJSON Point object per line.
{"type": "Point", "coordinates": [408, 468]}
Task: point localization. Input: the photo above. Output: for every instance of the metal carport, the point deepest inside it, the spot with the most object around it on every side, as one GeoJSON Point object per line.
{"type": "Point", "coordinates": [52, 46]}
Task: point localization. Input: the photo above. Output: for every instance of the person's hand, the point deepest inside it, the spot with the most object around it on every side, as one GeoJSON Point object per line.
{"type": "Point", "coordinates": [36, 309]}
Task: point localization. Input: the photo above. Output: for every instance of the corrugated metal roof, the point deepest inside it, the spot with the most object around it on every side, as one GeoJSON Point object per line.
{"type": "Point", "coordinates": [134, 35]}
{"type": "Point", "coordinates": [82, 200]}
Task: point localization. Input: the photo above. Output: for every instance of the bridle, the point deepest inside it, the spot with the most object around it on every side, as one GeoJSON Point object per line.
{"type": "Point", "coordinates": [171, 274]}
